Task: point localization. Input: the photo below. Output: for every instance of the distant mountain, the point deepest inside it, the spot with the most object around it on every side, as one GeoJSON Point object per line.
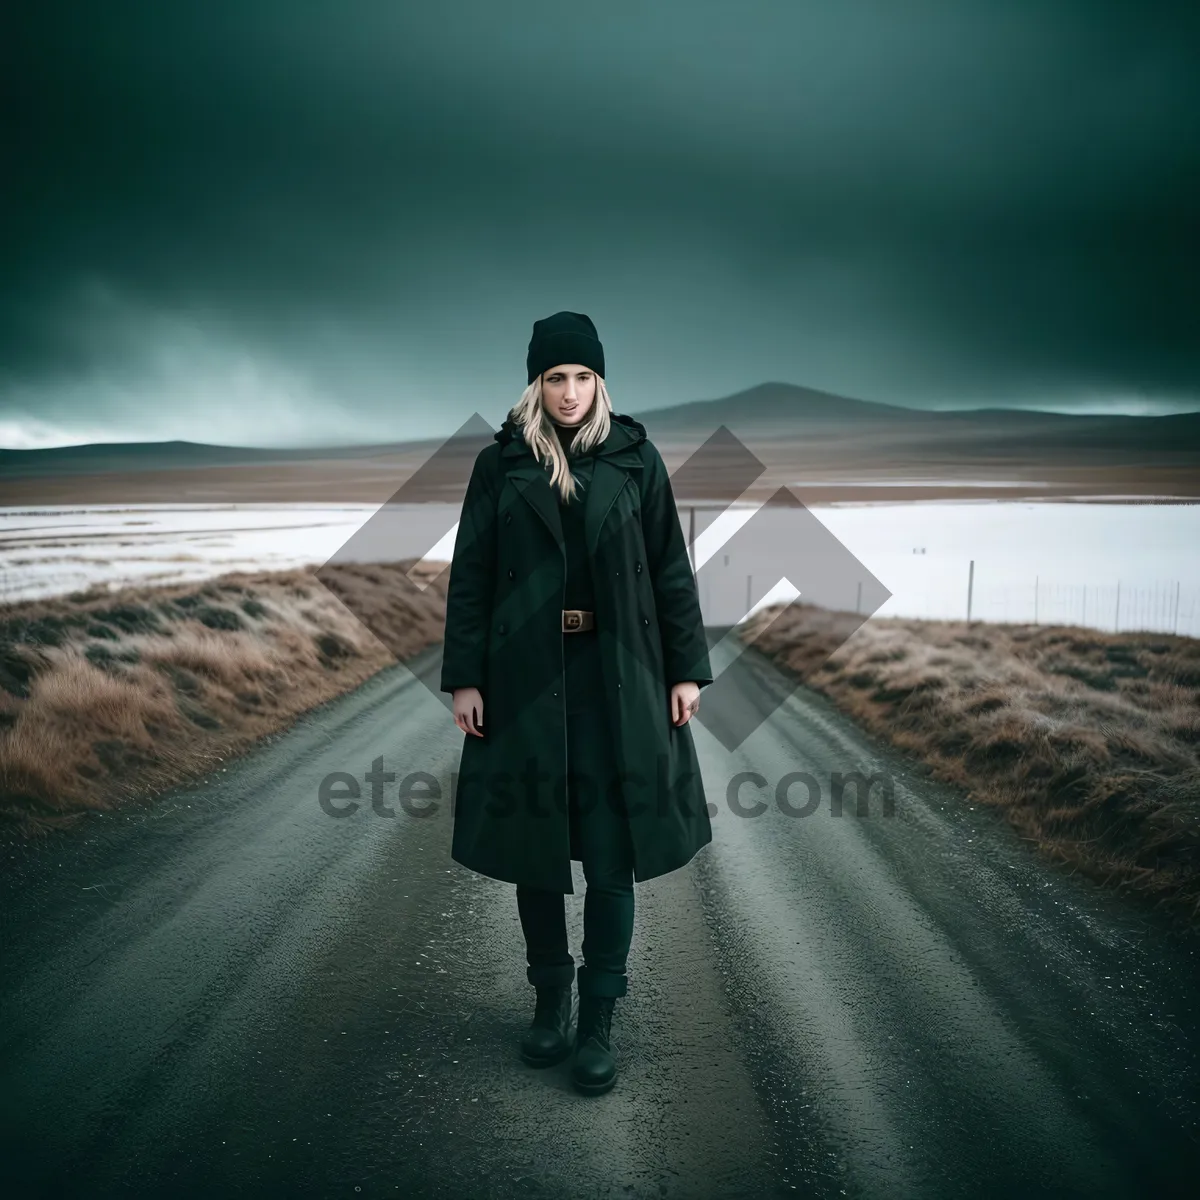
{"type": "Point", "coordinates": [776, 403]}
{"type": "Point", "coordinates": [96, 458]}
{"type": "Point", "coordinates": [783, 410]}
{"type": "Point", "coordinates": [769, 413]}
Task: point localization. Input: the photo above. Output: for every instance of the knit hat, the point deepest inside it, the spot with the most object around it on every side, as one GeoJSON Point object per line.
{"type": "Point", "coordinates": [566, 337]}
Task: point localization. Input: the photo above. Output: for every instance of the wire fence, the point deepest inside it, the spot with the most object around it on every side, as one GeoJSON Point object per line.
{"type": "Point", "coordinates": [739, 578]}
{"type": "Point", "coordinates": [1161, 606]}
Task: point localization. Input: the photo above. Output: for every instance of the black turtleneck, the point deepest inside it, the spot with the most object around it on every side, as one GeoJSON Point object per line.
{"type": "Point", "coordinates": [566, 433]}
{"type": "Point", "coordinates": [579, 586]}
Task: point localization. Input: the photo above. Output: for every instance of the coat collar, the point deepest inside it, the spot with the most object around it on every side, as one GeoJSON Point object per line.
{"type": "Point", "coordinates": [615, 457]}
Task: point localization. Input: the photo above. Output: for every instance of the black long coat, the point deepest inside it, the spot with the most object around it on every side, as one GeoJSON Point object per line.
{"type": "Point", "coordinates": [504, 636]}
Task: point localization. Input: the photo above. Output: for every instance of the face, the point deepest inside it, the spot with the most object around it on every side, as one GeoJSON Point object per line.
{"type": "Point", "coordinates": [568, 392]}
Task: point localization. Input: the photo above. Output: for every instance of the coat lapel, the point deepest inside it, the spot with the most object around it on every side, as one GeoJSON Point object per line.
{"type": "Point", "coordinates": [533, 482]}
{"type": "Point", "coordinates": [610, 474]}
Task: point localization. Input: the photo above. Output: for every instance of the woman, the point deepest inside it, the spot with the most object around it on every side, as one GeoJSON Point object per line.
{"type": "Point", "coordinates": [575, 652]}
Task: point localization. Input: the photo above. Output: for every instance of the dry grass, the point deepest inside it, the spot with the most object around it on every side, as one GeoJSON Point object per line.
{"type": "Point", "coordinates": [108, 698]}
{"type": "Point", "coordinates": [1089, 742]}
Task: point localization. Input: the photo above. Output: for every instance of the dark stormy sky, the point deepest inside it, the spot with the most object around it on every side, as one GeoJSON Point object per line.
{"type": "Point", "coordinates": [273, 222]}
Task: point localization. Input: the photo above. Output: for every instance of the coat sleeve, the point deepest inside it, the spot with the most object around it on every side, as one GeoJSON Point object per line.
{"type": "Point", "coordinates": [472, 579]}
{"type": "Point", "coordinates": [680, 623]}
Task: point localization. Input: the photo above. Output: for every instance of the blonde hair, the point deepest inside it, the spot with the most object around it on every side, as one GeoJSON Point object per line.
{"type": "Point", "coordinates": [529, 414]}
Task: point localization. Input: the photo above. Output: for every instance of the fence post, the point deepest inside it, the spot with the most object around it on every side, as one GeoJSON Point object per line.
{"type": "Point", "coordinates": [1035, 599]}
{"type": "Point", "coordinates": [970, 586]}
{"type": "Point", "coordinates": [1175, 619]}
{"type": "Point", "coordinates": [1117, 614]}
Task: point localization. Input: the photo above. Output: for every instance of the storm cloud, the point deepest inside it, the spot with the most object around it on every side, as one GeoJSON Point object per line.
{"type": "Point", "coordinates": [276, 223]}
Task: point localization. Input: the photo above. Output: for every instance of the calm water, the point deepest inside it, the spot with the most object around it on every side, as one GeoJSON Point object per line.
{"type": "Point", "coordinates": [1104, 565]}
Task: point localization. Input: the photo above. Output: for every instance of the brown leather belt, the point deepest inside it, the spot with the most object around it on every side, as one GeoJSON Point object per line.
{"type": "Point", "coordinates": [577, 620]}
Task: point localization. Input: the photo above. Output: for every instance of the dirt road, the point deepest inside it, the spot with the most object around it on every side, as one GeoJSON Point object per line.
{"type": "Point", "coordinates": [234, 992]}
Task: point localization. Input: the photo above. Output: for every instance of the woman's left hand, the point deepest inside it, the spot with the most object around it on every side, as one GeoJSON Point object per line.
{"type": "Point", "coordinates": [685, 700]}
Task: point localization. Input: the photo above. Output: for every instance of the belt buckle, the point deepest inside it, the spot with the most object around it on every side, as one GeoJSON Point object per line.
{"type": "Point", "coordinates": [572, 618]}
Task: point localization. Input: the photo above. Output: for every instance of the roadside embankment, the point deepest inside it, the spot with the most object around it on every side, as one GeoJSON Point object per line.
{"type": "Point", "coordinates": [109, 697]}
{"type": "Point", "coordinates": [1089, 742]}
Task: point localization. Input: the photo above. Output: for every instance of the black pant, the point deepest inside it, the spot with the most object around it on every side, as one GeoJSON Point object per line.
{"type": "Point", "coordinates": [602, 831]}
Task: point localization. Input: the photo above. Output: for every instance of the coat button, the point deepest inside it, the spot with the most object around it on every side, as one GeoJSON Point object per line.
{"type": "Point", "coordinates": [511, 573]}
{"type": "Point", "coordinates": [508, 518]}
{"type": "Point", "coordinates": [645, 620]}
{"type": "Point", "coordinates": [637, 567]}
{"type": "Point", "coordinates": [503, 629]}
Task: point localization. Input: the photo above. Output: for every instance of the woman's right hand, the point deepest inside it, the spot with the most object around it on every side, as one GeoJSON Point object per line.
{"type": "Point", "coordinates": [468, 710]}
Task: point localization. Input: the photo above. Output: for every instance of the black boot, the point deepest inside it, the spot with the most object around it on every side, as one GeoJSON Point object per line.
{"type": "Point", "coordinates": [594, 1069]}
{"type": "Point", "coordinates": [548, 1040]}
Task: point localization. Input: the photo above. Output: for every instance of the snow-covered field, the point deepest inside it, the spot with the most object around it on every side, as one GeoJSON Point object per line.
{"type": "Point", "coordinates": [59, 549]}
{"type": "Point", "coordinates": [1105, 565]}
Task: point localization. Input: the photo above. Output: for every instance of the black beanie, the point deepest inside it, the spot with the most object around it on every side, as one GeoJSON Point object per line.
{"type": "Point", "coordinates": [566, 337]}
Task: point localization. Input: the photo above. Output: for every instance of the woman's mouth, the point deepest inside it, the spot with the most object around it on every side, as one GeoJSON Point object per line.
{"type": "Point", "coordinates": [567, 411]}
